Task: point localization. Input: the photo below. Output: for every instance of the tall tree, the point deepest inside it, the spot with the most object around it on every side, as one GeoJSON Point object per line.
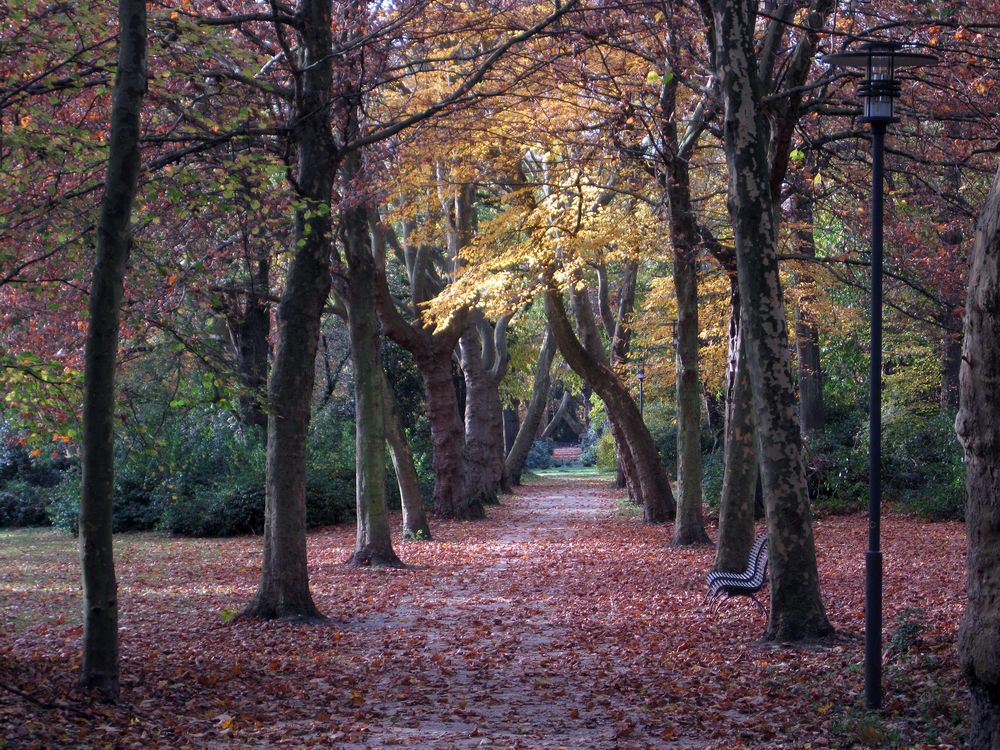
{"type": "Point", "coordinates": [643, 466]}
{"type": "Point", "coordinates": [796, 606]}
{"type": "Point", "coordinates": [432, 350]}
{"type": "Point", "coordinates": [283, 591]}
{"type": "Point", "coordinates": [99, 668]}
{"type": "Point", "coordinates": [978, 427]}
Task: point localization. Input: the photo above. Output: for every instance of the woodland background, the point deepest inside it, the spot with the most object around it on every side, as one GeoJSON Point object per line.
{"type": "Point", "coordinates": [387, 256]}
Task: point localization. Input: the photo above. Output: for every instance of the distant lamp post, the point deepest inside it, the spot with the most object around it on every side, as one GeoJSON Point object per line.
{"type": "Point", "coordinates": [879, 60]}
{"type": "Point", "coordinates": [640, 373]}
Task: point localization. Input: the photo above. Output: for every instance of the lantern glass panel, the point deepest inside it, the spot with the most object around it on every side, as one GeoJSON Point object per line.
{"type": "Point", "coordinates": [880, 68]}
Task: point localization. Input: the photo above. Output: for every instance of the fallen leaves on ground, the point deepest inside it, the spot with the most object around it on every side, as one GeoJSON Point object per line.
{"type": "Point", "coordinates": [556, 623]}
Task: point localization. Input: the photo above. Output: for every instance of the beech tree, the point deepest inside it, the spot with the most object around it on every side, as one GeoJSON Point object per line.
{"type": "Point", "coordinates": [99, 668]}
{"type": "Point", "coordinates": [796, 607]}
{"type": "Point", "coordinates": [978, 427]}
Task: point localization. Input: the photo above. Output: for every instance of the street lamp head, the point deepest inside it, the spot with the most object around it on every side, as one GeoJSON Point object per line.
{"type": "Point", "coordinates": [640, 371]}
{"type": "Point", "coordinates": [879, 60]}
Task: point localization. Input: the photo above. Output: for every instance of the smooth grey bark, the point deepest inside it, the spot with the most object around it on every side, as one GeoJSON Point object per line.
{"type": "Point", "coordinates": [99, 667]}
{"type": "Point", "coordinates": [283, 591]}
{"type": "Point", "coordinates": [484, 358]}
{"type": "Point", "coordinates": [978, 428]}
{"type": "Point", "coordinates": [534, 411]}
{"type": "Point", "coordinates": [812, 411]}
{"type": "Point", "coordinates": [797, 611]}
{"type": "Point", "coordinates": [373, 543]}
{"type": "Point", "coordinates": [646, 470]}
{"type": "Point", "coordinates": [740, 475]}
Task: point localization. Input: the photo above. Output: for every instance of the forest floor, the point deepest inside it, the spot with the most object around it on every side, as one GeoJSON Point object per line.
{"type": "Point", "coordinates": [559, 622]}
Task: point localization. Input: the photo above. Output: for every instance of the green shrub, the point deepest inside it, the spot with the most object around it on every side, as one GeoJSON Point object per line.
{"type": "Point", "coordinates": [216, 511]}
{"type": "Point", "coordinates": [922, 466]}
{"type": "Point", "coordinates": [63, 508]}
{"type": "Point", "coordinates": [22, 504]}
{"type": "Point", "coordinates": [423, 456]}
{"type": "Point", "coordinates": [712, 473]}
{"type": "Point", "coordinates": [837, 471]}
{"type": "Point", "coordinates": [539, 455]}
{"type": "Point", "coordinates": [330, 469]}
{"type": "Point", "coordinates": [607, 455]}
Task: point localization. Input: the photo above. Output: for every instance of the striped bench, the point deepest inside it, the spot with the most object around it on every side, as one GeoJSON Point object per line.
{"type": "Point", "coordinates": [747, 583]}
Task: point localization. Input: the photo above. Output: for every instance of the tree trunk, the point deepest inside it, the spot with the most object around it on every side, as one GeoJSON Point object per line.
{"type": "Point", "coordinates": [689, 527]}
{"type": "Point", "coordinates": [518, 453]}
{"type": "Point", "coordinates": [510, 426]}
{"type": "Point", "coordinates": [649, 476]}
{"type": "Point", "coordinates": [249, 325]}
{"type": "Point", "coordinates": [432, 352]}
{"type": "Point", "coordinates": [739, 481]}
{"type": "Point", "coordinates": [797, 611]}
{"type": "Point", "coordinates": [283, 591]}
{"type": "Point", "coordinates": [951, 362]}
{"type": "Point", "coordinates": [812, 412]}
{"type": "Point", "coordinates": [565, 404]}
{"type": "Point", "coordinates": [373, 544]}
{"type": "Point", "coordinates": [99, 668]}
{"type": "Point", "coordinates": [978, 427]}
{"type": "Point", "coordinates": [415, 524]}
{"type": "Point", "coordinates": [447, 439]}
{"type": "Point", "coordinates": [484, 363]}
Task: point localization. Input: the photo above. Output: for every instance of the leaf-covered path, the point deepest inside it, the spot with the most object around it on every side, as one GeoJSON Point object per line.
{"type": "Point", "coordinates": [555, 623]}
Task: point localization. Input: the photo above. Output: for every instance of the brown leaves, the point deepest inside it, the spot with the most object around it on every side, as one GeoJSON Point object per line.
{"type": "Point", "coordinates": [552, 624]}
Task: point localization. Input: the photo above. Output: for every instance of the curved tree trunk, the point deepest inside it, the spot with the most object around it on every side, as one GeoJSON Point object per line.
{"type": "Point", "coordinates": [283, 591]}
{"type": "Point", "coordinates": [432, 352]}
{"type": "Point", "coordinates": [565, 404]}
{"type": "Point", "coordinates": [651, 479]}
{"type": "Point", "coordinates": [415, 524]}
{"type": "Point", "coordinates": [739, 481]}
{"type": "Point", "coordinates": [797, 611]}
{"type": "Point", "coordinates": [978, 427]}
{"type": "Point", "coordinates": [535, 410]}
{"type": "Point", "coordinates": [627, 473]}
{"type": "Point", "coordinates": [99, 668]}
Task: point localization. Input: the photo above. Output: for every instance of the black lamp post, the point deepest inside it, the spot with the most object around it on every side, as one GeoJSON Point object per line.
{"type": "Point", "coordinates": [880, 61]}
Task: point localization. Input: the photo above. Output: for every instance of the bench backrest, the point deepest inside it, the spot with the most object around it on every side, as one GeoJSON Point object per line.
{"type": "Point", "coordinates": [758, 555]}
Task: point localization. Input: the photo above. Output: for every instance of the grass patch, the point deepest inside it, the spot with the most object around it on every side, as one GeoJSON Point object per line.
{"type": "Point", "coordinates": [572, 471]}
